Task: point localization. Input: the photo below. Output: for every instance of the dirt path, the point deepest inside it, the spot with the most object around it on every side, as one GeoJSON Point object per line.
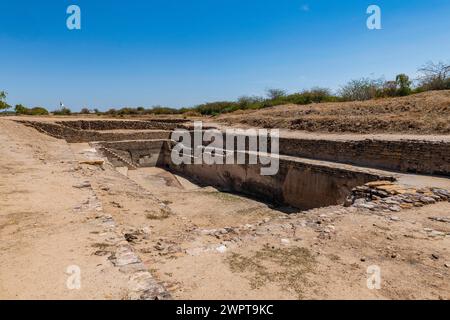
{"type": "Point", "coordinates": [45, 224]}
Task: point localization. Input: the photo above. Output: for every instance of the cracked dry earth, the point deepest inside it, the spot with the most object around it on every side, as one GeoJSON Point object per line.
{"type": "Point", "coordinates": [193, 241]}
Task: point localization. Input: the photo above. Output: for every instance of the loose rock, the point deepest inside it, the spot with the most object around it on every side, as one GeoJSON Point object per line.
{"type": "Point", "coordinates": [85, 184]}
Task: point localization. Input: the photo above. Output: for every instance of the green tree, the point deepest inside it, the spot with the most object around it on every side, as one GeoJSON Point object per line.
{"type": "Point", "coordinates": [20, 109]}
{"type": "Point", "coordinates": [3, 104]}
{"type": "Point", "coordinates": [275, 93]}
{"type": "Point", "coordinates": [404, 84]}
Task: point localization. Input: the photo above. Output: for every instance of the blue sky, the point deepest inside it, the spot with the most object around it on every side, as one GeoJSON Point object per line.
{"type": "Point", "coordinates": [181, 53]}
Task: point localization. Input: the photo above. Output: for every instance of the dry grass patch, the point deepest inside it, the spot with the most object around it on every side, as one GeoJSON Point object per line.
{"type": "Point", "coordinates": [286, 267]}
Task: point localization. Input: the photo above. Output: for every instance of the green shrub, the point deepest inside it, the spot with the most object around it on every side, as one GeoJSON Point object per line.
{"type": "Point", "coordinates": [435, 76]}
{"type": "Point", "coordinates": [245, 102]}
{"type": "Point", "coordinates": [127, 111]}
{"type": "Point", "coordinates": [361, 89]}
{"type": "Point", "coordinates": [20, 109]}
{"type": "Point", "coordinates": [274, 94]}
{"type": "Point", "coordinates": [111, 112]}
{"type": "Point", "coordinates": [215, 108]}
{"type": "Point", "coordinates": [276, 97]}
{"type": "Point", "coordinates": [37, 111]}
{"type": "Point", "coordinates": [162, 110]}
{"type": "Point", "coordinates": [317, 95]}
{"type": "Point", "coordinates": [62, 112]}
{"type": "Point", "coordinates": [389, 89]}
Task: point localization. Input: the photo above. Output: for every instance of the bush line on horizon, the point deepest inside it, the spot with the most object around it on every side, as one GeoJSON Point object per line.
{"type": "Point", "coordinates": [433, 76]}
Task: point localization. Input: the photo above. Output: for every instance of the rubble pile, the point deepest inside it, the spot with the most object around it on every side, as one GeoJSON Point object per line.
{"type": "Point", "coordinates": [388, 196]}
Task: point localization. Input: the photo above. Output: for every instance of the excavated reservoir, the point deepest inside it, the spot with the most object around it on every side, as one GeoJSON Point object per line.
{"type": "Point", "coordinates": [311, 172]}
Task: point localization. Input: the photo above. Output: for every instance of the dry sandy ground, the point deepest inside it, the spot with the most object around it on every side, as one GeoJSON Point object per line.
{"type": "Point", "coordinates": [199, 242]}
{"type": "Point", "coordinates": [224, 246]}
{"type": "Point", "coordinates": [44, 223]}
{"type": "Point", "coordinates": [423, 113]}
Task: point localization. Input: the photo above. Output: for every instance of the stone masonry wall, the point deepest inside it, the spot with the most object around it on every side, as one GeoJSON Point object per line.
{"type": "Point", "coordinates": [298, 184]}
{"type": "Point", "coordinates": [75, 136]}
{"type": "Point", "coordinates": [168, 124]}
{"type": "Point", "coordinates": [411, 156]}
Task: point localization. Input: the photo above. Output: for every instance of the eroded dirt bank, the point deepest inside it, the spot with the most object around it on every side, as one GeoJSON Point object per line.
{"type": "Point", "coordinates": [423, 113]}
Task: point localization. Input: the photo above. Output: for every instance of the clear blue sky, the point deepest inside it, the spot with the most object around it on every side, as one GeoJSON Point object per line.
{"type": "Point", "coordinates": [184, 52]}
